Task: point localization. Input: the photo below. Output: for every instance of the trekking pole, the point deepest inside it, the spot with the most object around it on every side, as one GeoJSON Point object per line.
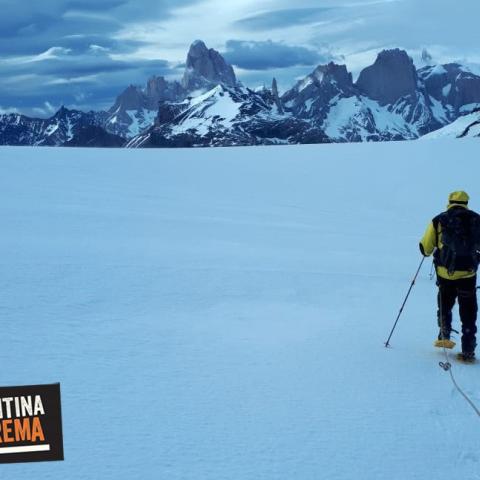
{"type": "Point", "coordinates": [387, 343]}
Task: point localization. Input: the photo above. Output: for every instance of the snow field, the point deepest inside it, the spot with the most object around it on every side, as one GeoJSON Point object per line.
{"type": "Point", "coordinates": [234, 302]}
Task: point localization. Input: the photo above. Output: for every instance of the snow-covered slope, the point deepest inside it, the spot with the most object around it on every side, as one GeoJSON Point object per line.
{"type": "Point", "coordinates": [221, 313]}
{"type": "Point", "coordinates": [130, 123]}
{"type": "Point", "coordinates": [465, 126]}
{"type": "Point", "coordinates": [356, 119]}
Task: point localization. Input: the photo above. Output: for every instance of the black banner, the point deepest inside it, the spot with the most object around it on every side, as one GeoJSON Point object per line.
{"type": "Point", "coordinates": [30, 424]}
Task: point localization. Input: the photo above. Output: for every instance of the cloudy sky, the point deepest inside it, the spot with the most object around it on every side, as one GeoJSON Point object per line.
{"type": "Point", "coordinates": [82, 53]}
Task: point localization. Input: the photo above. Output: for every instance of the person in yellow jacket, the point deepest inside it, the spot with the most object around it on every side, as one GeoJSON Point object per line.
{"type": "Point", "coordinates": [454, 239]}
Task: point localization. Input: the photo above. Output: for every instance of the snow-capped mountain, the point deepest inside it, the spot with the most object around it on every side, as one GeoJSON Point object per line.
{"type": "Point", "coordinates": [330, 100]}
{"type": "Point", "coordinates": [224, 116]}
{"type": "Point", "coordinates": [66, 127]}
{"type": "Point", "coordinates": [452, 88]}
{"type": "Point", "coordinates": [391, 100]}
{"type": "Point", "coordinates": [135, 109]}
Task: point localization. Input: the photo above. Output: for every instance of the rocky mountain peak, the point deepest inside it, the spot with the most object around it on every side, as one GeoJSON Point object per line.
{"type": "Point", "coordinates": [390, 101]}
{"type": "Point", "coordinates": [62, 112]}
{"type": "Point", "coordinates": [333, 72]}
{"type": "Point", "coordinates": [156, 86]}
{"type": "Point", "coordinates": [161, 90]}
{"type": "Point", "coordinates": [206, 68]}
{"type": "Point", "coordinates": [391, 77]}
{"type": "Point", "coordinates": [311, 96]}
{"type": "Point", "coordinates": [452, 84]}
{"type": "Point", "coordinates": [132, 98]}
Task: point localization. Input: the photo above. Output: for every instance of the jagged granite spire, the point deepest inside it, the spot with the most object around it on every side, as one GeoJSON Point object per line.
{"type": "Point", "coordinates": [206, 68]}
{"type": "Point", "coordinates": [276, 97]}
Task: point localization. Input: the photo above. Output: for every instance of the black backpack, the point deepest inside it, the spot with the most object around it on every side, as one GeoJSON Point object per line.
{"type": "Point", "coordinates": [460, 237]}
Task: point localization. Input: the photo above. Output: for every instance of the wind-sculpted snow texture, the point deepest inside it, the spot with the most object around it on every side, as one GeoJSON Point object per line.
{"type": "Point", "coordinates": [220, 313]}
{"type": "Point", "coordinates": [391, 100]}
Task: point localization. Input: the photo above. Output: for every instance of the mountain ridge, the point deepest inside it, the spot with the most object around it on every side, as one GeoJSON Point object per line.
{"type": "Point", "coordinates": [391, 100]}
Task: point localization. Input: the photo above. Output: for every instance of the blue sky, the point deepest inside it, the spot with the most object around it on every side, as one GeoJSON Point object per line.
{"type": "Point", "coordinates": [82, 53]}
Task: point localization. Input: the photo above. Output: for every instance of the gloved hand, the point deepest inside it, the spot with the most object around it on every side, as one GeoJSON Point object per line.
{"type": "Point", "coordinates": [422, 251]}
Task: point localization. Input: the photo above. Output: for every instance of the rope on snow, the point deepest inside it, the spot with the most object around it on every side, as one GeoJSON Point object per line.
{"type": "Point", "coordinates": [447, 366]}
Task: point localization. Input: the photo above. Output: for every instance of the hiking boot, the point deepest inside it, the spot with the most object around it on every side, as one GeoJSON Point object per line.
{"type": "Point", "coordinates": [444, 334]}
{"type": "Point", "coordinates": [444, 344]}
{"type": "Point", "coordinates": [466, 357]}
{"type": "Point", "coordinates": [444, 340]}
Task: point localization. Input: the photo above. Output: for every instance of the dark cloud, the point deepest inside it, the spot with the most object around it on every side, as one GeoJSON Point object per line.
{"type": "Point", "coordinates": [66, 63]}
{"type": "Point", "coordinates": [81, 43]}
{"type": "Point", "coordinates": [75, 42]}
{"type": "Point", "coordinates": [67, 51]}
{"type": "Point", "coordinates": [95, 5]}
{"type": "Point", "coordinates": [44, 32]}
{"type": "Point", "coordinates": [87, 67]}
{"type": "Point", "coordinates": [150, 9]}
{"type": "Point", "coordinates": [35, 26]}
{"type": "Point", "coordinates": [90, 79]}
{"type": "Point", "coordinates": [251, 55]}
{"type": "Point", "coordinates": [82, 93]}
{"type": "Point", "coordinates": [27, 27]}
{"type": "Point", "coordinates": [285, 18]}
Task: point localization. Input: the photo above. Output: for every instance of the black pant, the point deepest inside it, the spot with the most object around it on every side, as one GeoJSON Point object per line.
{"type": "Point", "coordinates": [466, 291]}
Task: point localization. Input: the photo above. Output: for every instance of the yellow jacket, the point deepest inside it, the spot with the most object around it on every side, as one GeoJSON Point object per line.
{"type": "Point", "coordinates": [433, 240]}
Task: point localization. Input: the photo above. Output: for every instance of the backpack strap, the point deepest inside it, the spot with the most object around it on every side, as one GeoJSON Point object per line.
{"type": "Point", "coordinates": [436, 223]}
